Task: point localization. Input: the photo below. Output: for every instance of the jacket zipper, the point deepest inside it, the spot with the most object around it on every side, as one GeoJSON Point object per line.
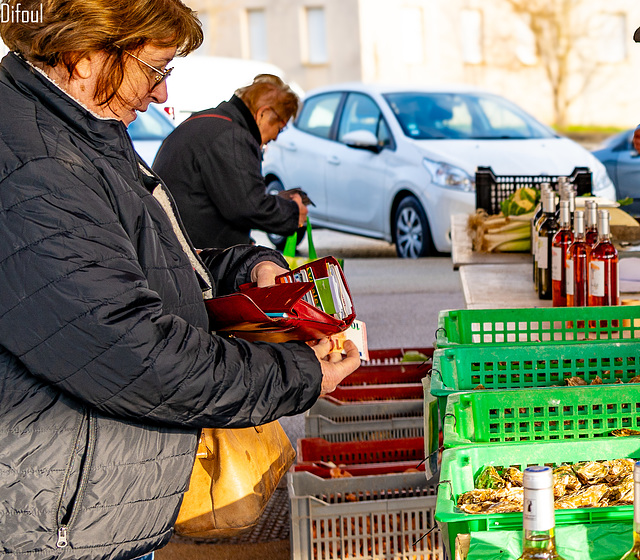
{"type": "Point", "coordinates": [64, 528]}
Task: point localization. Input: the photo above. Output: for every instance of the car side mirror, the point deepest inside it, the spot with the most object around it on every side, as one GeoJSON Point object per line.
{"type": "Point", "coordinates": [362, 140]}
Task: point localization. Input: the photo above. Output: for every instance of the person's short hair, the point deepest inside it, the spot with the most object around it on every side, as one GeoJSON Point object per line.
{"type": "Point", "coordinates": [71, 29]}
{"type": "Point", "coordinates": [270, 90]}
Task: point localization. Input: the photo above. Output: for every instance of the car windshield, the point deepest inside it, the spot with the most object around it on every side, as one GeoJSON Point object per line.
{"type": "Point", "coordinates": [470, 116]}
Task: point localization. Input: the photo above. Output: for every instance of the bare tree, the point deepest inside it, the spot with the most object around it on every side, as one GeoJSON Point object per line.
{"type": "Point", "coordinates": [557, 27]}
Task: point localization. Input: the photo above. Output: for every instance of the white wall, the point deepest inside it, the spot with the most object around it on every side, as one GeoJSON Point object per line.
{"type": "Point", "coordinates": [432, 41]}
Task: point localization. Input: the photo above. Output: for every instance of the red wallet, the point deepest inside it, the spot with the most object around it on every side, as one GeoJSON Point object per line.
{"type": "Point", "coordinates": [307, 303]}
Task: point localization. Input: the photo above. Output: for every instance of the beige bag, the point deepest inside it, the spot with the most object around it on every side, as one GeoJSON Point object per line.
{"type": "Point", "coordinates": [234, 475]}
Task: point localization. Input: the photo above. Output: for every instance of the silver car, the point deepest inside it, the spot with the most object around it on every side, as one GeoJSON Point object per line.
{"type": "Point", "coordinates": [395, 163]}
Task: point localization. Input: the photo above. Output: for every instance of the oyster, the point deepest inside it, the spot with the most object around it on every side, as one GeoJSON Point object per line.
{"type": "Point", "coordinates": [513, 476]}
{"type": "Point", "coordinates": [591, 472]}
{"type": "Point", "coordinates": [589, 496]}
{"type": "Point", "coordinates": [489, 478]}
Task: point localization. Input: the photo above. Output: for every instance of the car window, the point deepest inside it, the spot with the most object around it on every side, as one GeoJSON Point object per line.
{"type": "Point", "coordinates": [503, 120]}
{"type": "Point", "coordinates": [459, 115]}
{"type": "Point", "coordinates": [150, 125]}
{"type": "Point", "coordinates": [362, 113]}
{"type": "Point", "coordinates": [318, 113]}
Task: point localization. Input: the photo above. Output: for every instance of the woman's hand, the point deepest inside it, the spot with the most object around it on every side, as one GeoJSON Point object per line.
{"type": "Point", "coordinates": [302, 209]}
{"type": "Point", "coordinates": [265, 272]}
{"type": "Point", "coordinates": [335, 366]}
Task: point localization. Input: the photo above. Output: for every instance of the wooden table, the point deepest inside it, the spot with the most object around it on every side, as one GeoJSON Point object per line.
{"type": "Point", "coordinates": [462, 253]}
{"type": "Point", "coordinates": [499, 286]}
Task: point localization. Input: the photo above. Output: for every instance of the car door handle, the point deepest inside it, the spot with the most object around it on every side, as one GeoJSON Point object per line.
{"type": "Point", "coordinates": [334, 160]}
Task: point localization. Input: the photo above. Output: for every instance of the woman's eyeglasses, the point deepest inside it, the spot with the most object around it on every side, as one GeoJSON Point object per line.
{"type": "Point", "coordinates": [159, 75]}
{"type": "Point", "coordinates": [284, 123]}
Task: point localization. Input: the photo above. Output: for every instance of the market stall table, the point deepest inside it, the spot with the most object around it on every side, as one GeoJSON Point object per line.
{"type": "Point", "coordinates": [499, 286]}
{"type": "Point", "coordinates": [463, 254]}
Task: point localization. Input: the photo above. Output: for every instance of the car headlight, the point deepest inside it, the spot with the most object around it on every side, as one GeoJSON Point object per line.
{"type": "Point", "coordinates": [449, 176]}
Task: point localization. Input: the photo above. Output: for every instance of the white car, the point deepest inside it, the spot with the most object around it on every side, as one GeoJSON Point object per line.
{"type": "Point", "coordinates": [148, 131]}
{"type": "Point", "coordinates": [395, 163]}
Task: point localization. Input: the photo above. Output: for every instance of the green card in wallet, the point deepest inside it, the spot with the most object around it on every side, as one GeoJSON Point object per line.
{"type": "Point", "coordinates": [307, 303]}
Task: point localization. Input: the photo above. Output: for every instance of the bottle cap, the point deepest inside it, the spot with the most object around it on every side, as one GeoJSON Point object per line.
{"type": "Point", "coordinates": [549, 202]}
{"type": "Point", "coordinates": [564, 219]}
{"type": "Point", "coordinates": [603, 223]}
{"type": "Point", "coordinates": [578, 222]}
{"type": "Point", "coordinates": [538, 477]}
{"type": "Point", "coordinates": [591, 215]}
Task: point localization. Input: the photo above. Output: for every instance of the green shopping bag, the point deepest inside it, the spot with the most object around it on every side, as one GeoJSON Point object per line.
{"type": "Point", "coordinates": [289, 252]}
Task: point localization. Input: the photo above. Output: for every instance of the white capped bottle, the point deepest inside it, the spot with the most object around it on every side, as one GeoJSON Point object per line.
{"type": "Point", "coordinates": [634, 553]}
{"type": "Point", "coordinates": [538, 516]}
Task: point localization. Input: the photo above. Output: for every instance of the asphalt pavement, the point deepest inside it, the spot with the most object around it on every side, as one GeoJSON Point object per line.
{"type": "Point", "coordinates": [399, 301]}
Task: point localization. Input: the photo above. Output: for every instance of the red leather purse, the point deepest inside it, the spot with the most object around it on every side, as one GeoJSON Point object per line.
{"type": "Point", "coordinates": [308, 303]}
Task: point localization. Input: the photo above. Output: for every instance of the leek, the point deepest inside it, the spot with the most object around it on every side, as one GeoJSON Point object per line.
{"type": "Point", "coordinates": [499, 233]}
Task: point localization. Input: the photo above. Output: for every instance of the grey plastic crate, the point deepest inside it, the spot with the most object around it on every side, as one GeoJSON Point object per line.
{"type": "Point", "coordinates": [366, 411]}
{"type": "Point", "coordinates": [333, 431]}
{"type": "Point", "coordinates": [364, 422]}
{"type": "Point", "coordinates": [383, 517]}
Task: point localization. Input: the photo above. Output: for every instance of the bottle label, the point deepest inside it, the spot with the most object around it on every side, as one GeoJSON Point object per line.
{"type": "Point", "coordinates": [556, 263]}
{"type": "Point", "coordinates": [596, 278]}
{"type": "Point", "coordinates": [569, 277]}
{"type": "Point", "coordinates": [538, 513]}
{"type": "Point", "coordinates": [542, 254]}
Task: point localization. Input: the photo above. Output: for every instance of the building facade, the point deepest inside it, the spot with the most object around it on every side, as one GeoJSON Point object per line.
{"type": "Point", "coordinates": [570, 62]}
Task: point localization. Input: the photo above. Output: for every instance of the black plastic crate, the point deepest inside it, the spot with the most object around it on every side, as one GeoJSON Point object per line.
{"type": "Point", "coordinates": [492, 189]}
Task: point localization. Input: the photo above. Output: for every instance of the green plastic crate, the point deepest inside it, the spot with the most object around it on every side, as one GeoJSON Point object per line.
{"type": "Point", "coordinates": [463, 368]}
{"type": "Point", "coordinates": [535, 325]}
{"type": "Point", "coordinates": [460, 466]}
{"type": "Point", "coordinates": [546, 414]}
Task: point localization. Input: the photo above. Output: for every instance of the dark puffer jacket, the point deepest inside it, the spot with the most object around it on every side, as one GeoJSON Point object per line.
{"type": "Point", "coordinates": [212, 164]}
{"type": "Point", "coordinates": [106, 366]}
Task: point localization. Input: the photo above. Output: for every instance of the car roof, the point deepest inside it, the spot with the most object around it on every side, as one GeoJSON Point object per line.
{"type": "Point", "coordinates": [383, 88]}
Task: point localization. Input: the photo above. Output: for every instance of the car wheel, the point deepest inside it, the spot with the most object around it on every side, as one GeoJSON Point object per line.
{"type": "Point", "coordinates": [413, 235]}
{"type": "Point", "coordinates": [279, 241]}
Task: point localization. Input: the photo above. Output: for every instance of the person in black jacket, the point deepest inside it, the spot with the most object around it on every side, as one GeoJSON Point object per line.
{"type": "Point", "coordinates": [212, 164]}
{"type": "Point", "coordinates": [107, 367]}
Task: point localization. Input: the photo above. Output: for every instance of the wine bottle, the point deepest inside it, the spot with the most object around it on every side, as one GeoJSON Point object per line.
{"type": "Point", "coordinates": [577, 265]}
{"type": "Point", "coordinates": [538, 517]}
{"type": "Point", "coordinates": [535, 224]}
{"type": "Point", "coordinates": [603, 266]}
{"type": "Point", "coordinates": [560, 244]}
{"type": "Point", "coordinates": [548, 228]}
{"type": "Point", "coordinates": [591, 222]}
{"type": "Point", "coordinates": [634, 553]}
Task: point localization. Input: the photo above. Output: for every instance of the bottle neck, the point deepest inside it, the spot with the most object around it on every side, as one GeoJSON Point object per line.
{"type": "Point", "coordinates": [540, 541]}
{"type": "Point", "coordinates": [604, 237]}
